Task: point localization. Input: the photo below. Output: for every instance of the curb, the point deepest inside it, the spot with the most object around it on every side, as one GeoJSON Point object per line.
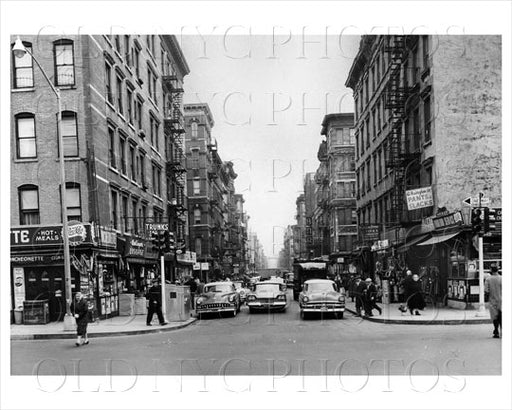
{"type": "Point", "coordinates": [42, 336]}
{"type": "Point", "coordinates": [424, 323]}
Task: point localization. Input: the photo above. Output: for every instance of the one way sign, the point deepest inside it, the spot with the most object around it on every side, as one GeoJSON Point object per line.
{"type": "Point", "coordinates": [475, 202]}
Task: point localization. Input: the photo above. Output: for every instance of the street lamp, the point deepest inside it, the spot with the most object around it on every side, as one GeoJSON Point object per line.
{"type": "Point", "coordinates": [19, 51]}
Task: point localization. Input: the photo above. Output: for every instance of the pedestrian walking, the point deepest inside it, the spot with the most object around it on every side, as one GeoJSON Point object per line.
{"type": "Point", "coordinates": [80, 309]}
{"type": "Point", "coordinates": [371, 298]}
{"type": "Point", "coordinates": [154, 297]}
{"type": "Point", "coordinates": [359, 293]}
{"type": "Point", "coordinates": [193, 289]}
{"type": "Point", "coordinates": [405, 290]}
{"type": "Point", "coordinates": [492, 289]}
{"type": "Point", "coordinates": [415, 300]}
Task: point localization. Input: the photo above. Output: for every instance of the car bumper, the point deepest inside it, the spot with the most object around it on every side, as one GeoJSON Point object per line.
{"type": "Point", "coordinates": [266, 306]}
{"type": "Point", "coordinates": [322, 309]}
{"type": "Point", "coordinates": [215, 310]}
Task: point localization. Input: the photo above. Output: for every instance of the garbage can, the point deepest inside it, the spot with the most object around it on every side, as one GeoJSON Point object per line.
{"type": "Point", "coordinates": [36, 312]}
{"type": "Point", "coordinates": [18, 317]}
{"type": "Point", "coordinates": [177, 303]}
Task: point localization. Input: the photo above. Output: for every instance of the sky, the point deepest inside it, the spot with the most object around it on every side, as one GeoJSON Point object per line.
{"type": "Point", "coordinates": [268, 96]}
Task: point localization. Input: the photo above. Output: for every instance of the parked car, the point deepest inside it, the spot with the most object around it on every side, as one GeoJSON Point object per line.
{"type": "Point", "coordinates": [321, 296]}
{"type": "Point", "coordinates": [267, 296]}
{"type": "Point", "coordinates": [218, 297]}
{"type": "Point", "coordinates": [242, 290]}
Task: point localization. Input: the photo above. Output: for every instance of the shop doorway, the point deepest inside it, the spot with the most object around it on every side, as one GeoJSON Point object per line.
{"type": "Point", "coordinates": [47, 283]}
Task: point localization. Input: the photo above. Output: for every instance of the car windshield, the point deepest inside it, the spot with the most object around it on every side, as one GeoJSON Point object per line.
{"type": "Point", "coordinates": [267, 287]}
{"type": "Point", "coordinates": [218, 288]}
{"type": "Point", "coordinates": [320, 287]}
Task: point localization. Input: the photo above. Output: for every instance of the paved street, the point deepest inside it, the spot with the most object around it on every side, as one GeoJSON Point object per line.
{"type": "Point", "coordinates": [248, 344]}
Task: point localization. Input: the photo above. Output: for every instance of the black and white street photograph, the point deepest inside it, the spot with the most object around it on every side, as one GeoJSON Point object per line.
{"type": "Point", "coordinates": [257, 205]}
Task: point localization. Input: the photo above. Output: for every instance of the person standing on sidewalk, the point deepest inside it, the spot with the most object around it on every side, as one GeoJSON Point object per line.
{"type": "Point", "coordinates": [359, 294]}
{"type": "Point", "coordinates": [80, 308]}
{"type": "Point", "coordinates": [154, 297]}
{"type": "Point", "coordinates": [371, 298]}
{"type": "Point", "coordinates": [415, 300]}
{"type": "Point", "coordinates": [193, 289]}
{"type": "Point", "coordinates": [492, 289]}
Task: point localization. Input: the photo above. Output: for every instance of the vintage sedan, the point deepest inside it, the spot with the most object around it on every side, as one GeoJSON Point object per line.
{"type": "Point", "coordinates": [267, 296]}
{"type": "Point", "coordinates": [218, 297]}
{"type": "Point", "coordinates": [241, 289]}
{"type": "Point", "coordinates": [321, 296]}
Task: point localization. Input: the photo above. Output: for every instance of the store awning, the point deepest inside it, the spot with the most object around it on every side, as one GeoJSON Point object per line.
{"type": "Point", "coordinates": [438, 239]}
{"type": "Point", "coordinates": [412, 242]}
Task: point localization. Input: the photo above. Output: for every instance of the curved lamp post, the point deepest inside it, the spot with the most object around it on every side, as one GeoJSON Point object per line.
{"type": "Point", "coordinates": [19, 51]}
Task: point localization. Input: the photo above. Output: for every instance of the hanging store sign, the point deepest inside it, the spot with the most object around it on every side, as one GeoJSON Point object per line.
{"type": "Point", "coordinates": [419, 198]}
{"type": "Point", "coordinates": [19, 287]}
{"type": "Point", "coordinates": [451, 219]}
{"type": "Point", "coordinates": [347, 229]}
{"type": "Point", "coordinates": [380, 245]}
{"type": "Point", "coordinates": [370, 232]}
{"type": "Point", "coordinates": [79, 234]}
{"type": "Point", "coordinates": [135, 247]}
{"type": "Point", "coordinates": [108, 237]}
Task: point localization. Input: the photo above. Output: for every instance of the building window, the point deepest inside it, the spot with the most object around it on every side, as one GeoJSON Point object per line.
{"type": "Point", "coordinates": [108, 83]}
{"type": "Point", "coordinates": [26, 136]}
{"type": "Point", "coordinates": [119, 89]}
{"type": "Point", "coordinates": [196, 185]}
{"type": "Point", "coordinates": [124, 213]}
{"type": "Point", "coordinates": [374, 158]}
{"type": "Point", "coordinates": [64, 65]}
{"type": "Point", "coordinates": [377, 68]}
{"type": "Point", "coordinates": [142, 165]}
{"type": "Point", "coordinates": [29, 205]}
{"type": "Point", "coordinates": [136, 60]}
{"type": "Point", "coordinates": [23, 69]}
{"type": "Point", "coordinates": [132, 162]}
{"type": "Point", "coordinates": [198, 242]}
{"type": "Point", "coordinates": [416, 130]}
{"type": "Point", "coordinates": [367, 125]}
{"type": "Point", "coordinates": [73, 201]}
{"type": "Point", "coordinates": [135, 222]}
{"type": "Point", "coordinates": [193, 128]}
{"type": "Point", "coordinates": [129, 104]}
{"type": "Point", "coordinates": [113, 210]}
{"type": "Point", "coordinates": [427, 119]}
{"type": "Point", "coordinates": [111, 147]}
{"type": "Point", "coordinates": [197, 216]}
{"type": "Point", "coordinates": [117, 43]}
{"type": "Point", "coordinates": [195, 160]}
{"type": "Point", "coordinates": [428, 172]}
{"type": "Point", "coordinates": [69, 134]}
{"type": "Point", "coordinates": [379, 155]}
{"type": "Point", "coordinates": [138, 113]}
{"type": "Point", "coordinates": [368, 176]}
{"type": "Point", "coordinates": [156, 180]}
{"type": "Point", "coordinates": [127, 50]}
{"type": "Point", "coordinates": [122, 153]}
{"type": "Point", "coordinates": [150, 82]}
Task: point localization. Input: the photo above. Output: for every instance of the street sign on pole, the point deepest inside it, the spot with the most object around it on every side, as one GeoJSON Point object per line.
{"type": "Point", "coordinates": [476, 201]}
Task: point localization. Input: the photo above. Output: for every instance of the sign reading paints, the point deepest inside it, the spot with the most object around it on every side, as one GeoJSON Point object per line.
{"type": "Point", "coordinates": [419, 198]}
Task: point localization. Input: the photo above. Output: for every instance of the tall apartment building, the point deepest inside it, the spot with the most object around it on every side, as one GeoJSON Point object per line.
{"type": "Point", "coordinates": [428, 135]}
{"type": "Point", "coordinates": [211, 197]}
{"type": "Point", "coordinates": [339, 133]}
{"type": "Point", "coordinates": [115, 93]}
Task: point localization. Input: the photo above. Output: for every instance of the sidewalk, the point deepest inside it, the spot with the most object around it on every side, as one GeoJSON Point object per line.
{"type": "Point", "coordinates": [116, 326]}
{"type": "Point", "coordinates": [429, 316]}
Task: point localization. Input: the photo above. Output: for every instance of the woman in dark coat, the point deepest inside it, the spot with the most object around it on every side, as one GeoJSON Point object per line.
{"type": "Point", "coordinates": [81, 310]}
{"type": "Point", "coordinates": [415, 299]}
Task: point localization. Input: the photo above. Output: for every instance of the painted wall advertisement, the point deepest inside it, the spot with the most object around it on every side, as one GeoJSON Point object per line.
{"type": "Point", "coordinates": [419, 198]}
{"type": "Point", "coordinates": [19, 287]}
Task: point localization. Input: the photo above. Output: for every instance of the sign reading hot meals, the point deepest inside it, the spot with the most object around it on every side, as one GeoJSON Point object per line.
{"type": "Point", "coordinates": [419, 198]}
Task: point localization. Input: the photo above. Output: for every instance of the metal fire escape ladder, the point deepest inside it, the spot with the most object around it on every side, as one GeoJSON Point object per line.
{"type": "Point", "coordinates": [395, 101]}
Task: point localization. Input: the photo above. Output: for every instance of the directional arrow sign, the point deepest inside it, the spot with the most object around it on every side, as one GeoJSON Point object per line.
{"type": "Point", "coordinates": [474, 202]}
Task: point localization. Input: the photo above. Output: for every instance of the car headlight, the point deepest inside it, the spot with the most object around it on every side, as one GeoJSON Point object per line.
{"type": "Point", "coordinates": [251, 297]}
{"type": "Point", "coordinates": [341, 298]}
{"type": "Point", "coordinates": [305, 299]}
{"type": "Point", "coordinates": [199, 301]}
{"type": "Point", "coordinates": [232, 298]}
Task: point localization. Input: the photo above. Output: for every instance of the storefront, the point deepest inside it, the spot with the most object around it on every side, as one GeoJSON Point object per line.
{"type": "Point", "coordinates": [185, 262]}
{"type": "Point", "coordinates": [37, 265]}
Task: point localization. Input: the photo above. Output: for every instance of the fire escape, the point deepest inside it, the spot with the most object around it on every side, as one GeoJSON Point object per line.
{"type": "Point", "coordinates": [397, 94]}
{"type": "Point", "coordinates": [174, 131]}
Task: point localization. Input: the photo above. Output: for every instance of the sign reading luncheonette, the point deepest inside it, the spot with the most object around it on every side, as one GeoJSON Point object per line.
{"type": "Point", "coordinates": [79, 233]}
{"type": "Point", "coordinates": [419, 198]}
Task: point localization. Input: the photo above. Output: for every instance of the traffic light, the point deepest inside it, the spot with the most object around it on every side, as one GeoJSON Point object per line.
{"type": "Point", "coordinates": [161, 241]}
{"type": "Point", "coordinates": [155, 242]}
{"type": "Point", "coordinates": [477, 220]}
{"type": "Point", "coordinates": [171, 242]}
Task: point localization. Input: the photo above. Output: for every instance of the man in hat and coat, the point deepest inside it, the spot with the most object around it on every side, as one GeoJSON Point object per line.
{"type": "Point", "coordinates": [154, 297]}
{"type": "Point", "coordinates": [492, 289]}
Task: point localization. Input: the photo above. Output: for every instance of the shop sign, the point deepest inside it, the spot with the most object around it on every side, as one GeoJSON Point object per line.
{"type": "Point", "coordinates": [196, 266]}
{"type": "Point", "coordinates": [380, 245]}
{"type": "Point", "coordinates": [347, 229]}
{"type": "Point", "coordinates": [419, 198]}
{"type": "Point", "coordinates": [19, 287]}
{"type": "Point", "coordinates": [451, 219]}
{"type": "Point", "coordinates": [370, 232]}
{"type": "Point", "coordinates": [36, 259]}
{"type": "Point", "coordinates": [185, 257]}
{"type": "Point", "coordinates": [340, 260]}
{"type": "Point", "coordinates": [205, 266]}
{"type": "Point", "coordinates": [79, 233]}
{"type": "Point", "coordinates": [108, 237]}
{"type": "Point", "coordinates": [135, 247]}
{"type": "Point", "coordinates": [427, 224]}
